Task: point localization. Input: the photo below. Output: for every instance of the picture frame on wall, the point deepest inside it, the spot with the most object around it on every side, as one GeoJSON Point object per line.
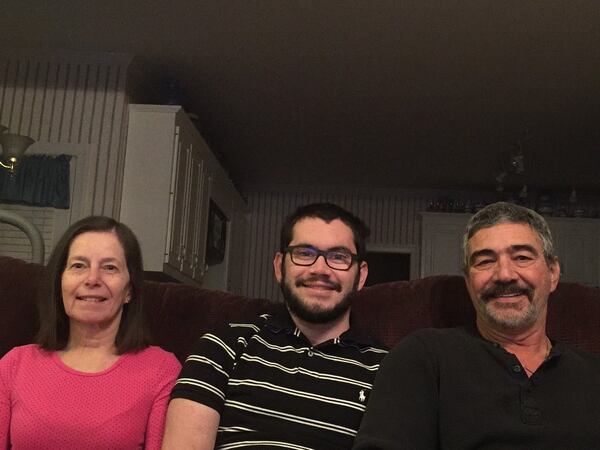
{"type": "Point", "coordinates": [216, 239]}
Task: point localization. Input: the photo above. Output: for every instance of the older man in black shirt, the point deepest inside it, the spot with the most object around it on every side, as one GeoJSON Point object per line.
{"type": "Point", "coordinates": [503, 383]}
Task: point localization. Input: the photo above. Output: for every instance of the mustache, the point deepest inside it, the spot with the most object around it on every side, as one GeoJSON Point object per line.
{"type": "Point", "coordinates": [324, 279]}
{"type": "Point", "coordinates": [502, 289]}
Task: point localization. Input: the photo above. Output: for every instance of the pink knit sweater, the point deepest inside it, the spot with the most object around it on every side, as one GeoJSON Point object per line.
{"type": "Point", "coordinates": [47, 405]}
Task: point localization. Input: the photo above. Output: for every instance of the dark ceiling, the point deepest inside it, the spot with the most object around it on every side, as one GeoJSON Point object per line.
{"type": "Point", "coordinates": [389, 94]}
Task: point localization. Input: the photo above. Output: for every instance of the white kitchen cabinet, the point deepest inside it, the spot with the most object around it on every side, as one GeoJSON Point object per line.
{"type": "Point", "coordinates": [169, 179]}
{"type": "Point", "coordinates": [441, 243]}
{"type": "Point", "coordinates": [190, 185]}
{"type": "Point", "coordinates": [576, 244]}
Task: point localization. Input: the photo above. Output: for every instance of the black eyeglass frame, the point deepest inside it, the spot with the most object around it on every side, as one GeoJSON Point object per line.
{"type": "Point", "coordinates": [290, 248]}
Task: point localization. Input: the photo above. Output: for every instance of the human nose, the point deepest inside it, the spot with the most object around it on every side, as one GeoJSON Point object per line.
{"type": "Point", "coordinates": [320, 264]}
{"type": "Point", "coordinates": [505, 270]}
{"type": "Point", "coordinates": [93, 276]}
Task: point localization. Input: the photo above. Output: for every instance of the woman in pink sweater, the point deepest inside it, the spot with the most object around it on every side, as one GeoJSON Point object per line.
{"type": "Point", "coordinates": [92, 381]}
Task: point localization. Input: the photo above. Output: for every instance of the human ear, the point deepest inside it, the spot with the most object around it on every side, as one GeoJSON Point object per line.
{"type": "Point", "coordinates": [277, 262]}
{"type": "Point", "coordinates": [363, 271]}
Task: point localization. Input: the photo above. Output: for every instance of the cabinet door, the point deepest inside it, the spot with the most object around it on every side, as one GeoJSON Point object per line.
{"type": "Point", "coordinates": [190, 260]}
{"type": "Point", "coordinates": [201, 224]}
{"type": "Point", "coordinates": [441, 243]}
{"type": "Point", "coordinates": [576, 244]}
{"type": "Point", "coordinates": [180, 196]}
{"type": "Point", "coordinates": [196, 219]}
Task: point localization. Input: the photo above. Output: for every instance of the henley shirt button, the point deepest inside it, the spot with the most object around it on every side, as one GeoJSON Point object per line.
{"type": "Point", "coordinates": [310, 352]}
{"type": "Point", "coordinates": [516, 368]}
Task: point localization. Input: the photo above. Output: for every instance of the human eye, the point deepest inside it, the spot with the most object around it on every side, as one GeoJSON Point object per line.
{"type": "Point", "coordinates": [483, 263]}
{"type": "Point", "coordinates": [304, 252]}
{"type": "Point", "coordinates": [523, 259]}
{"type": "Point", "coordinates": [111, 268]}
{"type": "Point", "coordinates": [75, 265]}
{"type": "Point", "coordinates": [338, 256]}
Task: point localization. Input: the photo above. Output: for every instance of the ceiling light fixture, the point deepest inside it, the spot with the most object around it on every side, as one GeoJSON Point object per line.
{"type": "Point", "coordinates": [13, 148]}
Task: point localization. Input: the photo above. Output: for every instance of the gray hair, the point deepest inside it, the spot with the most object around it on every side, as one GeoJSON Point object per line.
{"type": "Point", "coordinates": [502, 212]}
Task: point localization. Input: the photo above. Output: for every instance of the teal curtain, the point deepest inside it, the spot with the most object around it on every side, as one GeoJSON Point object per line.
{"type": "Point", "coordinates": [39, 180]}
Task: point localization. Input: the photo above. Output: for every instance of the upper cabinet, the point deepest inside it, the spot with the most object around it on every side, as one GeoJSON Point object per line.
{"type": "Point", "coordinates": [576, 244]}
{"type": "Point", "coordinates": [174, 191]}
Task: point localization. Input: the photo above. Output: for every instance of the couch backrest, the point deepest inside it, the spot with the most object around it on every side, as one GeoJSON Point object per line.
{"type": "Point", "coordinates": [392, 310]}
{"type": "Point", "coordinates": [180, 314]}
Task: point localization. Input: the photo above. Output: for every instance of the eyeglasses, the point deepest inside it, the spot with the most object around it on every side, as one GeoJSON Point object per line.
{"type": "Point", "coordinates": [303, 255]}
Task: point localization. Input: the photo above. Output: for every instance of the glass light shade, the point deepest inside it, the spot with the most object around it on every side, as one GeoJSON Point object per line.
{"type": "Point", "coordinates": [14, 145]}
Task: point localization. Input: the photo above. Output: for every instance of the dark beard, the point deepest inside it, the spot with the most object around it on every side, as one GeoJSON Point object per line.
{"type": "Point", "coordinates": [296, 307]}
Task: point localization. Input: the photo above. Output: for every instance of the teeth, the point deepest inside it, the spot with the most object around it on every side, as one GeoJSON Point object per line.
{"type": "Point", "coordinates": [92, 299]}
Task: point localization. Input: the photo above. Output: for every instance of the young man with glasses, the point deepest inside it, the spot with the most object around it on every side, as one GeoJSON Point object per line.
{"type": "Point", "coordinates": [295, 380]}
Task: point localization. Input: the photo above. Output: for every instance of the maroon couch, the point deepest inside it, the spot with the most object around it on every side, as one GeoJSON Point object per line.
{"type": "Point", "coordinates": [180, 314]}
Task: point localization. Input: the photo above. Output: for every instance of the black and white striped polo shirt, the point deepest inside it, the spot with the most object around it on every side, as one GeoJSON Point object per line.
{"type": "Point", "coordinates": [273, 389]}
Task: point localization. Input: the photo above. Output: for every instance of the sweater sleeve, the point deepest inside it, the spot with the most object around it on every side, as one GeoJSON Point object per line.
{"type": "Point", "coordinates": [402, 410]}
{"type": "Point", "coordinates": [156, 420]}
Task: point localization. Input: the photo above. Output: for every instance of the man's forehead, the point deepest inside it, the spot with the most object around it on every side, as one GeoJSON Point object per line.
{"type": "Point", "coordinates": [323, 234]}
{"type": "Point", "coordinates": [505, 235]}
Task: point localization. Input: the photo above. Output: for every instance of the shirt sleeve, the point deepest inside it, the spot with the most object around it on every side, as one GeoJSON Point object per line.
{"type": "Point", "coordinates": [206, 371]}
{"type": "Point", "coordinates": [402, 410]}
{"type": "Point", "coordinates": [6, 366]}
{"type": "Point", "coordinates": [156, 420]}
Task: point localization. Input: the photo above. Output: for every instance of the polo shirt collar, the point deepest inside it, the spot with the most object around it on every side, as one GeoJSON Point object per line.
{"type": "Point", "coordinates": [281, 320]}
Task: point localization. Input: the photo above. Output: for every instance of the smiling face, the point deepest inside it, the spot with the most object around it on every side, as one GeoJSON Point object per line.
{"type": "Point", "coordinates": [318, 293]}
{"type": "Point", "coordinates": [95, 281]}
{"type": "Point", "coordinates": [508, 278]}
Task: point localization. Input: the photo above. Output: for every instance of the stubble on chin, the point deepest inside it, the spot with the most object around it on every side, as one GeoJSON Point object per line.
{"type": "Point", "coordinates": [315, 314]}
{"type": "Point", "coordinates": [509, 316]}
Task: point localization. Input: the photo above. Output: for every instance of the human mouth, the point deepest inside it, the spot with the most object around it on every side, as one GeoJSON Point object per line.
{"type": "Point", "coordinates": [319, 284]}
{"type": "Point", "coordinates": [506, 292]}
{"type": "Point", "coordinates": [91, 298]}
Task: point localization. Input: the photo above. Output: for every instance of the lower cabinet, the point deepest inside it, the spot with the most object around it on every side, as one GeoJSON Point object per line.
{"type": "Point", "coordinates": [576, 244]}
{"type": "Point", "coordinates": [171, 179]}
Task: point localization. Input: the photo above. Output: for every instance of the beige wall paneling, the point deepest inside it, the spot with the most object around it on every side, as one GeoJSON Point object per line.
{"type": "Point", "coordinates": [74, 103]}
{"type": "Point", "coordinates": [70, 97]}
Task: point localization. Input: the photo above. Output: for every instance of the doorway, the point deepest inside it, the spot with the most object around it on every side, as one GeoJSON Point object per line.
{"type": "Point", "coordinates": [389, 264]}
